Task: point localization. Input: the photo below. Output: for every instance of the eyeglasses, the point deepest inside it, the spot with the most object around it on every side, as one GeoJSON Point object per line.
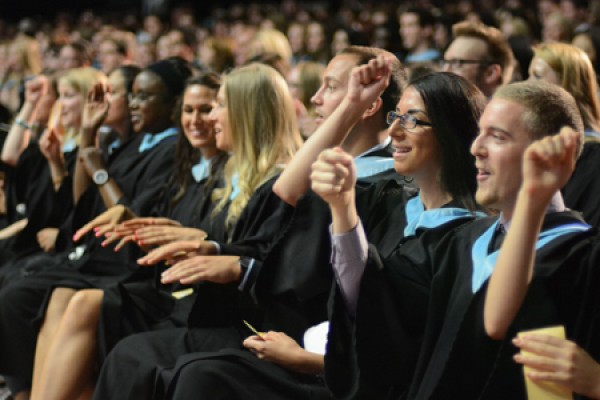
{"type": "Point", "coordinates": [459, 63]}
{"type": "Point", "coordinates": [140, 97]}
{"type": "Point", "coordinates": [407, 121]}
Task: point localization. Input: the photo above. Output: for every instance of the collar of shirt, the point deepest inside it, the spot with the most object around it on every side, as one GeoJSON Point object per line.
{"type": "Point", "coordinates": [557, 204]}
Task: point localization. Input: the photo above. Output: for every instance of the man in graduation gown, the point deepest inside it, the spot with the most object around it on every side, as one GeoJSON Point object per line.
{"type": "Point", "coordinates": [291, 282]}
{"type": "Point", "coordinates": [458, 358]}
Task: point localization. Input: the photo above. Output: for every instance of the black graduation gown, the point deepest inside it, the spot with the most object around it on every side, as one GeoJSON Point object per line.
{"type": "Point", "coordinates": [458, 359]}
{"type": "Point", "coordinates": [291, 287]}
{"type": "Point", "coordinates": [30, 188]}
{"type": "Point", "coordinates": [214, 322]}
{"type": "Point", "coordinates": [23, 299]}
{"type": "Point", "coordinates": [582, 191]}
{"type": "Point", "coordinates": [141, 303]}
{"type": "Point", "coordinates": [290, 282]}
{"type": "Point", "coordinates": [373, 354]}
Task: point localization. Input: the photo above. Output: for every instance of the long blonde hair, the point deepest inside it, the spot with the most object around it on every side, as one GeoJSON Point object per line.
{"type": "Point", "coordinates": [81, 80]}
{"type": "Point", "coordinates": [577, 76]}
{"type": "Point", "coordinates": [264, 133]}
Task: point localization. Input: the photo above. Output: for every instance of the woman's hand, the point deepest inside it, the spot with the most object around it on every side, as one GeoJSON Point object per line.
{"type": "Point", "coordinates": [176, 251]}
{"type": "Point", "coordinates": [51, 147]}
{"type": "Point", "coordinates": [333, 177]}
{"type": "Point", "coordinates": [559, 361]}
{"type": "Point", "coordinates": [35, 89]}
{"type": "Point", "coordinates": [94, 113]}
{"type": "Point", "coordinates": [47, 239]}
{"type": "Point", "coordinates": [147, 232]}
{"type": "Point", "coordinates": [91, 159]}
{"type": "Point", "coordinates": [218, 269]}
{"type": "Point", "coordinates": [105, 222]}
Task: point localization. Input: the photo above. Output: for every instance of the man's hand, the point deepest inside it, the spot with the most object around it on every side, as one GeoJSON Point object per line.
{"type": "Point", "coordinates": [548, 163]}
{"type": "Point", "coordinates": [559, 361]}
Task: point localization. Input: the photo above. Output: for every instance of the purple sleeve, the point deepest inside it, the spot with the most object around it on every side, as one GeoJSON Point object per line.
{"type": "Point", "coordinates": [349, 257]}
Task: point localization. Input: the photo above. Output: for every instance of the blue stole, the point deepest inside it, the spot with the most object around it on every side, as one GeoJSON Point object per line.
{"type": "Point", "coordinates": [69, 145]}
{"type": "Point", "coordinates": [235, 186]}
{"type": "Point", "coordinates": [483, 263]}
{"type": "Point", "coordinates": [151, 140]}
{"type": "Point", "coordinates": [591, 133]}
{"type": "Point", "coordinates": [417, 217]}
{"type": "Point", "coordinates": [114, 145]}
{"type": "Point", "coordinates": [369, 166]}
{"type": "Point", "coordinates": [201, 170]}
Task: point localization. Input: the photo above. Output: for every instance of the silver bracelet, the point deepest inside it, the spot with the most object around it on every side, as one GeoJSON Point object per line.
{"type": "Point", "coordinates": [22, 123]}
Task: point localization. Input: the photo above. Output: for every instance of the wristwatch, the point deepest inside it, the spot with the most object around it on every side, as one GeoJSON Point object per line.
{"type": "Point", "coordinates": [100, 177]}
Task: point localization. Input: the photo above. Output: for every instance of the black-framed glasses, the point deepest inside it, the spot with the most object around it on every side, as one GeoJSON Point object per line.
{"type": "Point", "coordinates": [459, 63]}
{"type": "Point", "coordinates": [407, 121]}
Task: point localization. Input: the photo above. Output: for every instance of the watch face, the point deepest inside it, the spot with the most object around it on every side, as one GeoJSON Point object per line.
{"type": "Point", "coordinates": [100, 177]}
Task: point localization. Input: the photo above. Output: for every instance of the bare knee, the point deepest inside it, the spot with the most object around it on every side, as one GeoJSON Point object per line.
{"type": "Point", "coordinates": [83, 310]}
{"type": "Point", "coordinates": [59, 300]}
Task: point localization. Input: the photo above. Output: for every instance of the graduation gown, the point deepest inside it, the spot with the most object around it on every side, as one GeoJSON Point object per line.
{"type": "Point", "coordinates": [214, 321]}
{"type": "Point", "coordinates": [581, 193]}
{"type": "Point", "coordinates": [23, 299]}
{"type": "Point", "coordinates": [31, 195]}
{"type": "Point", "coordinates": [458, 359]}
{"type": "Point", "coordinates": [373, 354]}
{"type": "Point", "coordinates": [286, 290]}
{"type": "Point", "coordinates": [141, 303]}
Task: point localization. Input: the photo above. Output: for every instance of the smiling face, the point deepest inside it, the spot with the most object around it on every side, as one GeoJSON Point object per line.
{"type": "Point", "coordinates": [196, 106]}
{"type": "Point", "coordinates": [118, 110]}
{"type": "Point", "coordinates": [219, 116]}
{"type": "Point", "coordinates": [150, 106]}
{"type": "Point", "coordinates": [416, 151]}
{"type": "Point", "coordinates": [334, 86]}
{"type": "Point", "coordinates": [71, 103]}
{"type": "Point", "coordinates": [498, 151]}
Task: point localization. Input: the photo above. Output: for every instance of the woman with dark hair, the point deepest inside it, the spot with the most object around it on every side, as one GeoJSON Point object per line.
{"type": "Point", "coordinates": [432, 129]}
{"type": "Point", "coordinates": [281, 368]}
{"type": "Point", "coordinates": [78, 344]}
{"type": "Point", "coordinates": [262, 136]}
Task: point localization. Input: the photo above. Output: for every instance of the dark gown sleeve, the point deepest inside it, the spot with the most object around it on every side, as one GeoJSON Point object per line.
{"type": "Point", "coordinates": [46, 207]}
{"type": "Point", "coordinates": [459, 360]}
{"type": "Point", "coordinates": [373, 355]}
{"type": "Point", "coordinates": [582, 191]}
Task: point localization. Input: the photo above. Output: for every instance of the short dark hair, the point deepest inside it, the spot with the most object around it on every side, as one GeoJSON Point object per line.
{"type": "Point", "coordinates": [426, 18]}
{"type": "Point", "coordinates": [453, 105]}
{"type": "Point", "coordinates": [549, 107]}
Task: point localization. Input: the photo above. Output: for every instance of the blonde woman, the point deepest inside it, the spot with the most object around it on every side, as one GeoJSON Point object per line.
{"type": "Point", "coordinates": [570, 67]}
{"type": "Point", "coordinates": [262, 136]}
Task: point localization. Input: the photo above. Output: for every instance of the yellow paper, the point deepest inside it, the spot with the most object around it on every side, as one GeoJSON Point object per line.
{"type": "Point", "coordinates": [180, 294]}
{"type": "Point", "coordinates": [547, 390]}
